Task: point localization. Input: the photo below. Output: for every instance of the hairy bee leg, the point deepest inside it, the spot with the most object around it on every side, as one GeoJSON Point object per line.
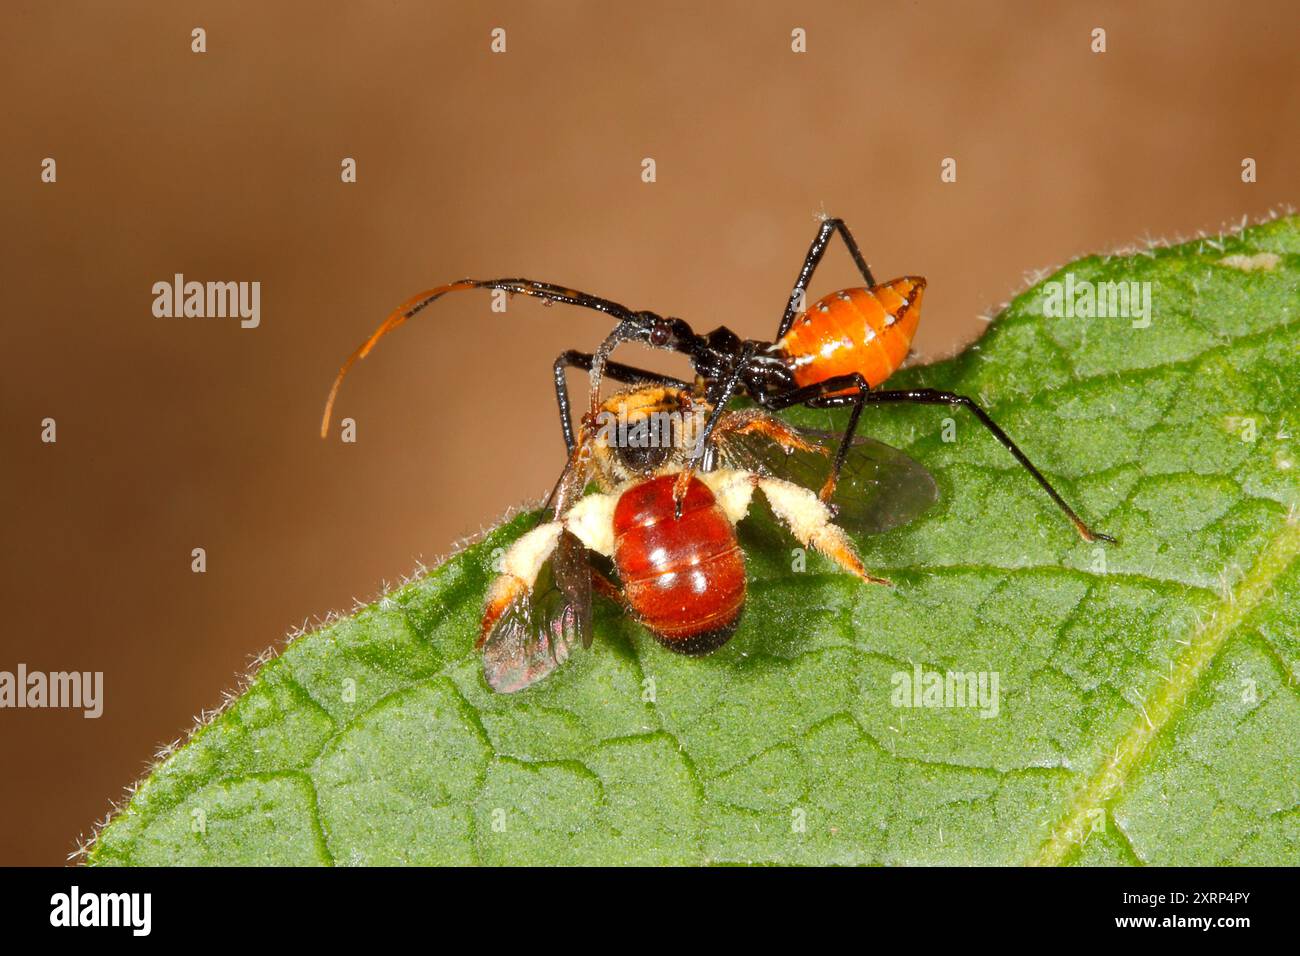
{"type": "Point", "coordinates": [591, 521]}
{"type": "Point", "coordinates": [749, 421]}
{"type": "Point", "coordinates": [519, 568]}
{"type": "Point", "coordinates": [753, 421]}
{"type": "Point", "coordinates": [807, 517]}
{"type": "Point", "coordinates": [781, 434]}
{"type": "Point", "coordinates": [733, 490]}
{"type": "Point", "coordinates": [809, 520]}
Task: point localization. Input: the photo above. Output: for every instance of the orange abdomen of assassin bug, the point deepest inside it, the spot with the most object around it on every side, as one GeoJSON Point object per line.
{"type": "Point", "coordinates": [868, 331]}
{"type": "Point", "coordinates": [684, 577]}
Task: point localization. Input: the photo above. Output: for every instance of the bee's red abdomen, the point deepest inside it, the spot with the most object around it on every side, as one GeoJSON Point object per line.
{"type": "Point", "coordinates": [684, 577]}
{"type": "Point", "coordinates": [868, 331]}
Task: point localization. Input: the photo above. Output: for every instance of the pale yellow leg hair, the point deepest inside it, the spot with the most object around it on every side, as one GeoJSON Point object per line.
{"type": "Point", "coordinates": [590, 521]}
{"type": "Point", "coordinates": [752, 420]}
{"type": "Point", "coordinates": [748, 421]}
{"type": "Point", "coordinates": [519, 568]}
{"type": "Point", "coordinates": [809, 520]}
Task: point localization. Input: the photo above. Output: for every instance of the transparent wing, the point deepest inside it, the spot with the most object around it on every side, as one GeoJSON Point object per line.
{"type": "Point", "coordinates": [569, 568]}
{"type": "Point", "coordinates": [572, 577]}
{"type": "Point", "coordinates": [879, 488]}
{"type": "Point", "coordinates": [572, 482]}
{"type": "Point", "coordinates": [537, 631]}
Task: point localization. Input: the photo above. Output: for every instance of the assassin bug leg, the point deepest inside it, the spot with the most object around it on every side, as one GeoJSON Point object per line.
{"type": "Point", "coordinates": [828, 489]}
{"type": "Point", "coordinates": [615, 370]}
{"type": "Point", "coordinates": [930, 396]}
{"type": "Point", "coordinates": [720, 401]}
{"type": "Point", "coordinates": [811, 261]}
{"type": "Point", "coordinates": [822, 395]}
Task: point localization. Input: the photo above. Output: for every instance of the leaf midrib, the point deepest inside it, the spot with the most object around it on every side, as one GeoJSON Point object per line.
{"type": "Point", "coordinates": [1069, 833]}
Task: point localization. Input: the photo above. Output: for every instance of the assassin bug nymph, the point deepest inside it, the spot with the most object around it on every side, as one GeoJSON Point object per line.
{"type": "Point", "coordinates": [836, 353]}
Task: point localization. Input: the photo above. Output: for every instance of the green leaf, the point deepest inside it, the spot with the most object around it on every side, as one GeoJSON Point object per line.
{"type": "Point", "coordinates": [1147, 708]}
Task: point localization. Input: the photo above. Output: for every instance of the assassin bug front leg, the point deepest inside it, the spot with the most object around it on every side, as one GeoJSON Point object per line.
{"type": "Point", "coordinates": [615, 370]}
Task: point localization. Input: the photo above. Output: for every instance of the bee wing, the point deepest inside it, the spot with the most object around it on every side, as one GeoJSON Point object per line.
{"type": "Point", "coordinates": [536, 632]}
{"type": "Point", "coordinates": [572, 482]}
{"type": "Point", "coordinates": [571, 573]}
{"type": "Point", "coordinates": [572, 577]}
{"type": "Point", "coordinates": [879, 487]}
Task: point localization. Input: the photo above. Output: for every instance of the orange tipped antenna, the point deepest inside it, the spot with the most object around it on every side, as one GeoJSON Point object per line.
{"type": "Point", "coordinates": [399, 315]}
{"type": "Point", "coordinates": [541, 290]}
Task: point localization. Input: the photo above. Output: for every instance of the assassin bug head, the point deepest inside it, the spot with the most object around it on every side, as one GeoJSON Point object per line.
{"type": "Point", "coordinates": [666, 334]}
{"type": "Point", "coordinates": [647, 328]}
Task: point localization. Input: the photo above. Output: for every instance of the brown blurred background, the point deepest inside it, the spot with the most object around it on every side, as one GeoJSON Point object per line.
{"type": "Point", "coordinates": [183, 433]}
